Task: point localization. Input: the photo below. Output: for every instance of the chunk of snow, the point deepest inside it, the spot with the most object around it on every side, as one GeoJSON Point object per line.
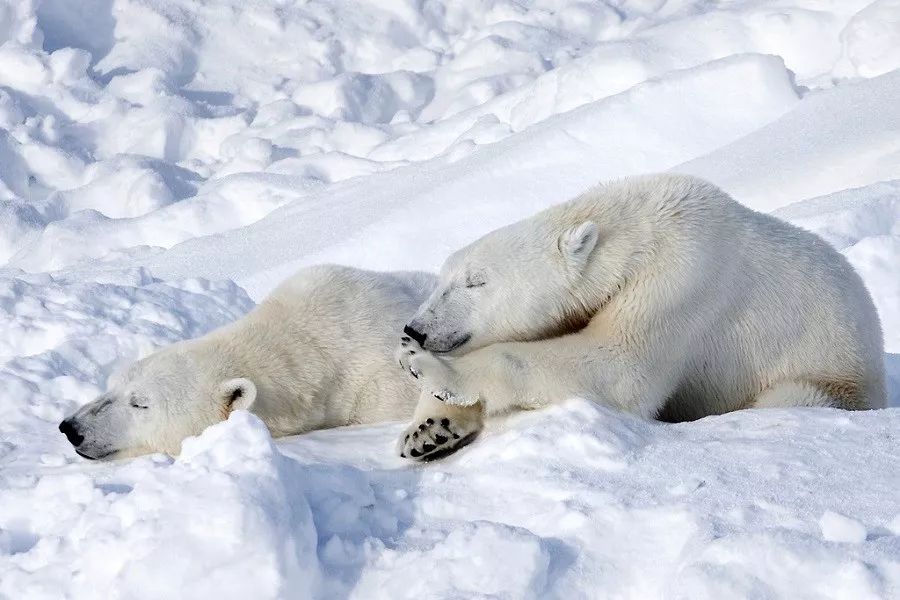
{"type": "Point", "coordinates": [838, 528]}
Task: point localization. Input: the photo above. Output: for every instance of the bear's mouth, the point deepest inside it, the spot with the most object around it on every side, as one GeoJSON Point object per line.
{"type": "Point", "coordinates": [450, 346]}
{"type": "Point", "coordinates": [98, 457]}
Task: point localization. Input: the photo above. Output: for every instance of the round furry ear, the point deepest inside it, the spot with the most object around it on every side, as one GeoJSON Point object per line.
{"type": "Point", "coordinates": [577, 243]}
{"type": "Point", "coordinates": [238, 393]}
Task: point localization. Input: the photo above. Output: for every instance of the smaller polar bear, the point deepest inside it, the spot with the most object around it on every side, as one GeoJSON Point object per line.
{"type": "Point", "coordinates": [317, 353]}
{"type": "Point", "coordinates": [658, 295]}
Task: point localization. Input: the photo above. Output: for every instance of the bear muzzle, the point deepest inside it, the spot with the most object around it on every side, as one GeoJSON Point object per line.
{"type": "Point", "coordinates": [415, 334]}
{"type": "Point", "coordinates": [70, 430]}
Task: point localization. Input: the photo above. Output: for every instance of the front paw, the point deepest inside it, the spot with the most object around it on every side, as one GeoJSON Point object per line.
{"type": "Point", "coordinates": [437, 437]}
{"type": "Point", "coordinates": [406, 354]}
{"type": "Point", "coordinates": [435, 374]}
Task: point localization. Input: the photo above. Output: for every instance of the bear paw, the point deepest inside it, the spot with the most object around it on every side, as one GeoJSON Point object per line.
{"type": "Point", "coordinates": [434, 373]}
{"type": "Point", "coordinates": [411, 356]}
{"type": "Point", "coordinates": [436, 438]}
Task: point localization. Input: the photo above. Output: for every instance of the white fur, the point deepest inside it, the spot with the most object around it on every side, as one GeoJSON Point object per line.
{"type": "Point", "coordinates": [316, 353]}
{"type": "Point", "coordinates": [658, 295]}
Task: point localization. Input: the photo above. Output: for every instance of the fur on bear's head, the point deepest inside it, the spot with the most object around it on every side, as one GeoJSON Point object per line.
{"type": "Point", "coordinates": [514, 284]}
{"type": "Point", "coordinates": [156, 403]}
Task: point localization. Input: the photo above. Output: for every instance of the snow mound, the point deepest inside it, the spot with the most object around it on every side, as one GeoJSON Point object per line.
{"type": "Point", "coordinates": [808, 153]}
{"type": "Point", "coordinates": [147, 530]}
{"type": "Point", "coordinates": [741, 505]}
{"type": "Point", "coordinates": [838, 528]}
{"type": "Point", "coordinates": [522, 174]}
{"type": "Point", "coordinates": [872, 40]}
{"type": "Point", "coordinates": [343, 91]}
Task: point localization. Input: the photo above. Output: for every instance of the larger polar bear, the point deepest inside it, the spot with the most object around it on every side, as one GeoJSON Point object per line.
{"type": "Point", "coordinates": [658, 295]}
{"type": "Point", "coordinates": [318, 352]}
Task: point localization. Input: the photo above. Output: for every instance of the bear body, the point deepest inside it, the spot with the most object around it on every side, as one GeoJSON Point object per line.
{"type": "Point", "coordinates": [658, 295]}
{"type": "Point", "coordinates": [316, 353]}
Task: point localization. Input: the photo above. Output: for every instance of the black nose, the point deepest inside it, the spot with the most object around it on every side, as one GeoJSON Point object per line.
{"type": "Point", "coordinates": [68, 428]}
{"type": "Point", "coordinates": [419, 337]}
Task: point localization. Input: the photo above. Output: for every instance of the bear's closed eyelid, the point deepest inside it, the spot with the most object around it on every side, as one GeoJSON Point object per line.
{"type": "Point", "coordinates": [136, 404]}
{"type": "Point", "coordinates": [475, 280]}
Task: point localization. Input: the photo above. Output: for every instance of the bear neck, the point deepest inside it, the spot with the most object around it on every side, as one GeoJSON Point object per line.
{"type": "Point", "coordinates": [628, 236]}
{"type": "Point", "coordinates": [288, 394]}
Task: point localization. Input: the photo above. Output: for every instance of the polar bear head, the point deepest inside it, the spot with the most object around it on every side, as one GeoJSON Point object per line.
{"type": "Point", "coordinates": [155, 403]}
{"type": "Point", "coordinates": [516, 283]}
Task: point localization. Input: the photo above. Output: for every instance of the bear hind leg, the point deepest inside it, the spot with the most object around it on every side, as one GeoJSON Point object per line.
{"type": "Point", "coordinates": [791, 394]}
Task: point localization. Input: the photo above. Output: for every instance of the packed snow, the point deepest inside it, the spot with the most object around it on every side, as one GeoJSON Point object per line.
{"type": "Point", "coordinates": [165, 163]}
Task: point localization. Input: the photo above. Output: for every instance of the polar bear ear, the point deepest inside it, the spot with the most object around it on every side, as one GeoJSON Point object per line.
{"type": "Point", "coordinates": [577, 243]}
{"type": "Point", "coordinates": [238, 394]}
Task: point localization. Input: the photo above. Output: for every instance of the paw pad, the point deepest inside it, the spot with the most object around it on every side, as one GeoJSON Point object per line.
{"type": "Point", "coordinates": [436, 438]}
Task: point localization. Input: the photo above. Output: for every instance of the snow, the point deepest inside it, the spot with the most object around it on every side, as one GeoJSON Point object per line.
{"type": "Point", "coordinates": [838, 528]}
{"type": "Point", "coordinates": [808, 153]}
{"type": "Point", "coordinates": [164, 164]}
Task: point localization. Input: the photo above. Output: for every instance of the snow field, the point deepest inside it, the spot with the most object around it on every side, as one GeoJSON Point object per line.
{"type": "Point", "coordinates": [745, 501]}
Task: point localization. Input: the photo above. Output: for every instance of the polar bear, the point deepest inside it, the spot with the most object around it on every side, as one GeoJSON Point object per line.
{"type": "Point", "coordinates": [657, 295]}
{"type": "Point", "coordinates": [317, 353]}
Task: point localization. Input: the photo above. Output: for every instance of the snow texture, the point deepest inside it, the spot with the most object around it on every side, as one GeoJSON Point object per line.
{"type": "Point", "coordinates": [164, 163]}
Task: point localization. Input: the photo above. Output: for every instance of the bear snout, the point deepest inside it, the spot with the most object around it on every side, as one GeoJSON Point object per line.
{"type": "Point", "coordinates": [69, 429]}
{"type": "Point", "coordinates": [415, 334]}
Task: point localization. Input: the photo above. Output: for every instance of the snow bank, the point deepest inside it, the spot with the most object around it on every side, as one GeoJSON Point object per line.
{"type": "Point", "coordinates": [227, 519]}
{"type": "Point", "coordinates": [871, 40]}
{"type": "Point", "coordinates": [743, 505]}
{"type": "Point", "coordinates": [808, 152]}
{"type": "Point", "coordinates": [628, 133]}
{"type": "Point", "coordinates": [340, 93]}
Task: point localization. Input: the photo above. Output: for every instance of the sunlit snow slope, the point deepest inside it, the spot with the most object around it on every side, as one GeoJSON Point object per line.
{"type": "Point", "coordinates": [164, 163]}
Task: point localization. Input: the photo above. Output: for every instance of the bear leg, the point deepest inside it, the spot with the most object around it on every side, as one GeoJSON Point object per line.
{"type": "Point", "coordinates": [790, 394]}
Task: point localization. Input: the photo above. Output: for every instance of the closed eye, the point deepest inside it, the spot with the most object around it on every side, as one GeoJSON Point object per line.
{"type": "Point", "coordinates": [136, 404]}
{"type": "Point", "coordinates": [475, 280]}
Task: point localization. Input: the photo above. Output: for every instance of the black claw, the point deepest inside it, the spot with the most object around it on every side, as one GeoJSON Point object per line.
{"type": "Point", "coordinates": [448, 450]}
{"type": "Point", "coordinates": [429, 421]}
{"type": "Point", "coordinates": [445, 422]}
{"type": "Point", "coordinates": [455, 436]}
{"type": "Point", "coordinates": [405, 339]}
{"type": "Point", "coordinates": [402, 455]}
{"type": "Point", "coordinates": [415, 434]}
{"type": "Point", "coordinates": [423, 427]}
{"type": "Point", "coordinates": [438, 397]}
{"type": "Point", "coordinates": [415, 453]}
{"type": "Point", "coordinates": [428, 447]}
{"type": "Point", "coordinates": [440, 439]}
